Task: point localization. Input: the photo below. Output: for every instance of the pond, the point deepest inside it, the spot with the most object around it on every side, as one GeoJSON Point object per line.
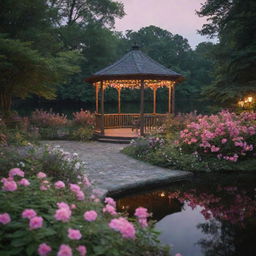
{"type": "Point", "coordinates": [206, 216]}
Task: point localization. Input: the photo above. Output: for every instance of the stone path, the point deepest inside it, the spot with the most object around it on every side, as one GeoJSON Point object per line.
{"type": "Point", "coordinates": [114, 172]}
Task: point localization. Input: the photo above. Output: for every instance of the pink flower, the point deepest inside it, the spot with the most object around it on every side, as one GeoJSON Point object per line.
{"type": "Point", "coordinates": [90, 215]}
{"type": "Point", "coordinates": [223, 141]}
{"type": "Point", "coordinates": [110, 201]}
{"type": "Point", "coordinates": [74, 234]}
{"type": "Point", "coordinates": [123, 226]}
{"type": "Point", "coordinates": [28, 214]}
{"type": "Point", "coordinates": [141, 212]}
{"type": "Point", "coordinates": [24, 182]}
{"type": "Point", "coordinates": [109, 209]}
{"type": "Point", "coordinates": [44, 249]}
{"type": "Point", "coordinates": [64, 250]}
{"type": "Point", "coordinates": [82, 250]}
{"type": "Point", "coordinates": [35, 222]}
{"type": "Point", "coordinates": [63, 205]}
{"type": "Point", "coordinates": [74, 188]}
{"type": "Point", "coordinates": [80, 195]}
{"type": "Point", "coordinates": [43, 187]}
{"type": "Point", "coordinates": [86, 182]}
{"type": "Point", "coordinates": [63, 214]}
{"type": "Point", "coordinates": [59, 184]}
{"type": "Point", "coordinates": [5, 218]}
{"type": "Point", "coordinates": [73, 206]}
{"type": "Point", "coordinates": [41, 175]}
{"type": "Point", "coordinates": [16, 171]}
{"type": "Point", "coordinates": [178, 254]}
{"type": "Point", "coordinates": [214, 149]}
{"type": "Point", "coordinates": [9, 185]}
{"type": "Point", "coordinates": [143, 222]}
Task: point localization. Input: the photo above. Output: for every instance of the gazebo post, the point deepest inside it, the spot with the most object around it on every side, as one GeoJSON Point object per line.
{"type": "Point", "coordinates": [142, 108]}
{"type": "Point", "coordinates": [173, 98]}
{"type": "Point", "coordinates": [169, 99]}
{"type": "Point", "coordinates": [102, 108]}
{"type": "Point", "coordinates": [119, 99]}
{"type": "Point", "coordinates": [154, 108]}
{"type": "Point", "coordinates": [97, 97]}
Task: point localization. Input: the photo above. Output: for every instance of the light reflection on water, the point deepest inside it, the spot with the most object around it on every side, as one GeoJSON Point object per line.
{"type": "Point", "coordinates": [206, 217]}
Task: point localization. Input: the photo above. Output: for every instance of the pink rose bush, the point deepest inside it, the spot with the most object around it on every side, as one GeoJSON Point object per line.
{"type": "Point", "coordinates": [226, 136]}
{"type": "Point", "coordinates": [65, 219]}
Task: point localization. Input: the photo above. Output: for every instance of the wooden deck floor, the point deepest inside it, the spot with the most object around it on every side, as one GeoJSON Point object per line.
{"type": "Point", "coordinates": [122, 132]}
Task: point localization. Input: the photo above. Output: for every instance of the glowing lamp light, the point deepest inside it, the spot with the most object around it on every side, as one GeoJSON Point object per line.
{"type": "Point", "coordinates": [250, 99]}
{"type": "Point", "coordinates": [241, 103]}
{"type": "Point", "coordinates": [162, 194]}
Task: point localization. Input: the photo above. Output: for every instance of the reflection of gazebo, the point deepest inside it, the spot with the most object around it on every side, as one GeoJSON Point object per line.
{"type": "Point", "coordinates": [134, 70]}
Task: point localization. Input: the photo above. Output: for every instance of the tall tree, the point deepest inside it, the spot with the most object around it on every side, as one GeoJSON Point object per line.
{"type": "Point", "coordinates": [234, 22]}
{"type": "Point", "coordinates": [25, 71]}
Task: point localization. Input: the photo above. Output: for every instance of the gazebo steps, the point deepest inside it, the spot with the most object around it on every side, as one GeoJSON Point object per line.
{"type": "Point", "coordinates": [111, 140]}
{"type": "Point", "coordinates": [114, 138]}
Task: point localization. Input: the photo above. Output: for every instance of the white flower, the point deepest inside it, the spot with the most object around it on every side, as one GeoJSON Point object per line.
{"type": "Point", "coordinates": [77, 165]}
{"type": "Point", "coordinates": [75, 154]}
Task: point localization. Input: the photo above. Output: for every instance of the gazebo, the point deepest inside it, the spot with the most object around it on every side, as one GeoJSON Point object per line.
{"type": "Point", "coordinates": [134, 70]}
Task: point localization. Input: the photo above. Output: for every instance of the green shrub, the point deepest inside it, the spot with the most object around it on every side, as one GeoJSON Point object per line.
{"type": "Point", "coordinates": [83, 133]}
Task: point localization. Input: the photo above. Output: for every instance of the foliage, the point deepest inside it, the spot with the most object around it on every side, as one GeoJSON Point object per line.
{"type": "Point", "coordinates": [221, 142]}
{"type": "Point", "coordinates": [84, 118]}
{"type": "Point", "coordinates": [234, 24]}
{"type": "Point", "coordinates": [41, 118]}
{"type": "Point", "coordinates": [83, 133]}
{"type": "Point", "coordinates": [25, 71]}
{"type": "Point", "coordinates": [42, 217]}
{"type": "Point", "coordinates": [55, 162]}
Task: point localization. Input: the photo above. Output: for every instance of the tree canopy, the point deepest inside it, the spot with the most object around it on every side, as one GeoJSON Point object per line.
{"type": "Point", "coordinates": [234, 22]}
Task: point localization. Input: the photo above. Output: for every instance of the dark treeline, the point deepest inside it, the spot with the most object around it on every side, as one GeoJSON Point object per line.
{"type": "Point", "coordinates": [48, 47]}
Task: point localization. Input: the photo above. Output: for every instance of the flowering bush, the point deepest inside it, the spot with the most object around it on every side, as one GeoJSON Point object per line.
{"type": "Point", "coordinates": [225, 141]}
{"type": "Point", "coordinates": [225, 136]}
{"type": "Point", "coordinates": [46, 119]}
{"type": "Point", "coordinates": [54, 161]}
{"type": "Point", "coordinates": [84, 118]}
{"type": "Point", "coordinates": [43, 218]}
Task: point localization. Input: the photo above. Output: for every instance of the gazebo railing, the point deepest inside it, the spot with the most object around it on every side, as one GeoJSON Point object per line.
{"type": "Point", "coordinates": [115, 121]}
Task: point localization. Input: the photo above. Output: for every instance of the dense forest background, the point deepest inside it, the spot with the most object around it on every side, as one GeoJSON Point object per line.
{"type": "Point", "coordinates": [48, 48]}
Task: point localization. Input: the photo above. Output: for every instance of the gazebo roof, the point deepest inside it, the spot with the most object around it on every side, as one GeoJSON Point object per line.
{"type": "Point", "coordinates": [135, 65]}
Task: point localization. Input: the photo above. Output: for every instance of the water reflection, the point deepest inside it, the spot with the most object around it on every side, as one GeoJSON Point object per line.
{"type": "Point", "coordinates": [203, 218]}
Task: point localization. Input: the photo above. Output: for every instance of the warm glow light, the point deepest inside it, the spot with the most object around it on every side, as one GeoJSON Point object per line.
{"type": "Point", "coordinates": [241, 103]}
{"type": "Point", "coordinates": [250, 99]}
{"type": "Point", "coordinates": [162, 194]}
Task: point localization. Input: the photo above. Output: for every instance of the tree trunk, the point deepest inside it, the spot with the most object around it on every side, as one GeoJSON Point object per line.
{"type": "Point", "coordinates": [5, 103]}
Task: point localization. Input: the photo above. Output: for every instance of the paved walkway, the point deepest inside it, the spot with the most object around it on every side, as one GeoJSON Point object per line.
{"type": "Point", "coordinates": [115, 172]}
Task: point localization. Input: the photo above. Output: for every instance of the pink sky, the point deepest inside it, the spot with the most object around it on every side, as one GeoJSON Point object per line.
{"type": "Point", "coordinates": [176, 16]}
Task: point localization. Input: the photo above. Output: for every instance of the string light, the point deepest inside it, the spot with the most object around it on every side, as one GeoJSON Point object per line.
{"type": "Point", "coordinates": [135, 84]}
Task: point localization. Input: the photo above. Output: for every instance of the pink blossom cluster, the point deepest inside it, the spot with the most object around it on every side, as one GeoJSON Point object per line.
{"type": "Point", "coordinates": [142, 214]}
{"type": "Point", "coordinates": [48, 119]}
{"type": "Point", "coordinates": [35, 221]}
{"type": "Point", "coordinates": [226, 135]}
{"type": "Point", "coordinates": [5, 218]}
{"type": "Point", "coordinates": [74, 234]}
{"type": "Point", "coordinates": [9, 183]}
{"type": "Point", "coordinates": [77, 191]}
{"type": "Point", "coordinates": [84, 118]}
{"type": "Point", "coordinates": [122, 225]}
{"type": "Point", "coordinates": [90, 215]}
{"type": "Point", "coordinates": [110, 206]}
{"type": "Point", "coordinates": [63, 213]}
